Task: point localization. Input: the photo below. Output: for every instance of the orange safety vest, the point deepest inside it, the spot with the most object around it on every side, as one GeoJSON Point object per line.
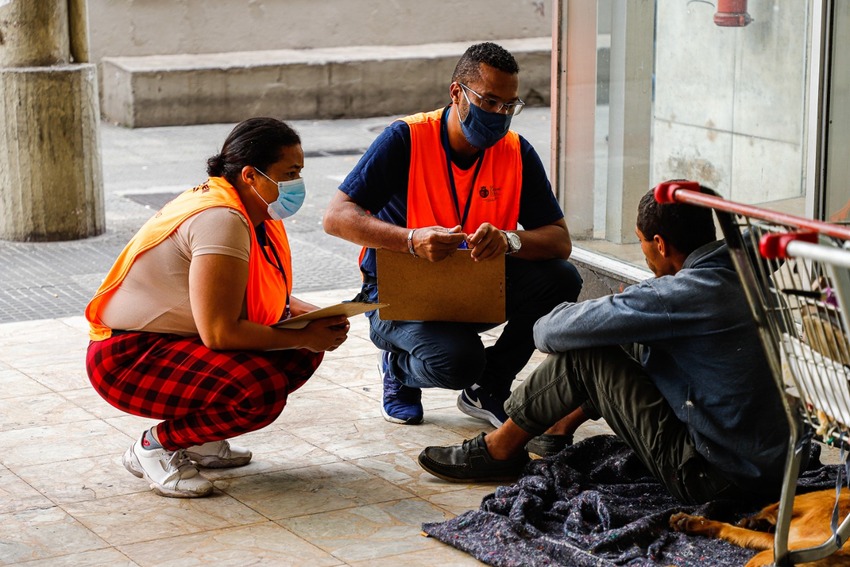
{"type": "Point", "coordinates": [495, 197]}
{"type": "Point", "coordinates": [267, 289]}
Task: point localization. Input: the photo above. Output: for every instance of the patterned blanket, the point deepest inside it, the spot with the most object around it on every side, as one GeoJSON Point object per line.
{"type": "Point", "coordinates": [596, 505]}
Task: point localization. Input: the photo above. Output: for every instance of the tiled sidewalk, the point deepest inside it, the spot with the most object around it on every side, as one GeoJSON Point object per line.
{"type": "Point", "coordinates": [331, 482]}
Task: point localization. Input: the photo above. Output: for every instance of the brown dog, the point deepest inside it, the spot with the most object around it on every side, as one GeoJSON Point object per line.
{"type": "Point", "coordinates": [810, 526]}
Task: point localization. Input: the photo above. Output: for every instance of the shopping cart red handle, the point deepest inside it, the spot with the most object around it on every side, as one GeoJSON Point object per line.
{"type": "Point", "coordinates": [665, 192]}
{"type": "Point", "coordinates": [775, 245]}
{"type": "Point", "coordinates": [688, 192]}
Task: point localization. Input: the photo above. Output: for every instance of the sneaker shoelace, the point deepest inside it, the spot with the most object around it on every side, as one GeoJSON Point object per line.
{"type": "Point", "coordinates": [180, 465]}
{"type": "Point", "coordinates": [224, 449]}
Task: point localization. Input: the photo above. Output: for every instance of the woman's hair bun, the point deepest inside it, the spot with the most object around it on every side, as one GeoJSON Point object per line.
{"type": "Point", "coordinates": [215, 166]}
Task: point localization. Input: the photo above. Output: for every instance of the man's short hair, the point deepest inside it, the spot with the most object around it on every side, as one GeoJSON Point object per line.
{"type": "Point", "coordinates": [467, 69]}
{"type": "Point", "coordinates": [685, 227]}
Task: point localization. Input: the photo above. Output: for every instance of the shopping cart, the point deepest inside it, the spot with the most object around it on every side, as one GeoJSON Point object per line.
{"type": "Point", "coordinates": [796, 275]}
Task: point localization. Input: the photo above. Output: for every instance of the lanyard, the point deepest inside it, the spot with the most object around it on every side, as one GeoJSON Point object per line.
{"type": "Point", "coordinates": [263, 241]}
{"type": "Point", "coordinates": [444, 136]}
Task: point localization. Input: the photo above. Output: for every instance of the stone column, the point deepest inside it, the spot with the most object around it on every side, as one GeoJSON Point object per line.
{"type": "Point", "coordinates": [51, 183]}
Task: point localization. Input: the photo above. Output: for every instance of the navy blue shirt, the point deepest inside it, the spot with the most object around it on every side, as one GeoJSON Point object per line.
{"type": "Point", "coordinates": [378, 183]}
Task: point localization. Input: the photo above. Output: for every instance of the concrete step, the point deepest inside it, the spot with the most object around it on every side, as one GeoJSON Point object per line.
{"type": "Point", "coordinates": [339, 82]}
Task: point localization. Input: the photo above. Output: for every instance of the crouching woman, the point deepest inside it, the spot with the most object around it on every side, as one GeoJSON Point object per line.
{"type": "Point", "coordinates": [181, 328]}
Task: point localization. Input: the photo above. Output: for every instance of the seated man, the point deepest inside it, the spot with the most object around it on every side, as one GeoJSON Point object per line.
{"type": "Point", "coordinates": [697, 403]}
{"type": "Point", "coordinates": [450, 177]}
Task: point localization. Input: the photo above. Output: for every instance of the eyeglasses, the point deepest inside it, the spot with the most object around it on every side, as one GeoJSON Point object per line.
{"type": "Point", "coordinates": [493, 105]}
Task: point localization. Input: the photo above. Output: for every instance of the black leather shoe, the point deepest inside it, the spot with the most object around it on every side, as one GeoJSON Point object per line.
{"type": "Point", "coordinates": [470, 462]}
{"type": "Point", "coordinates": [546, 445]}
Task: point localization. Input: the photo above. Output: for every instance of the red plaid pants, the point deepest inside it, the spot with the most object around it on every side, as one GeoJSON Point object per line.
{"type": "Point", "coordinates": [201, 394]}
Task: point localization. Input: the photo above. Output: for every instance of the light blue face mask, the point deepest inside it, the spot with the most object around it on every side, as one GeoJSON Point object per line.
{"type": "Point", "coordinates": [290, 197]}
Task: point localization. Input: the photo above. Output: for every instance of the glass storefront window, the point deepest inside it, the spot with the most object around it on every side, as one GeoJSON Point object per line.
{"type": "Point", "coordinates": [672, 95]}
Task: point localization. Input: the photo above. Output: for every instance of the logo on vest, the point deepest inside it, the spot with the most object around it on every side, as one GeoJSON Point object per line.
{"type": "Point", "coordinates": [490, 194]}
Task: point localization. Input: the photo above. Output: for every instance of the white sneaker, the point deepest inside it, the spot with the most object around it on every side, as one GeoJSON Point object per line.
{"type": "Point", "coordinates": [219, 455]}
{"type": "Point", "coordinates": [170, 473]}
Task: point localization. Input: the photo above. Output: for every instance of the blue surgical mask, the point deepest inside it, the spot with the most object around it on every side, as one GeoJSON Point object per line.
{"type": "Point", "coordinates": [483, 129]}
{"type": "Point", "coordinates": [290, 197]}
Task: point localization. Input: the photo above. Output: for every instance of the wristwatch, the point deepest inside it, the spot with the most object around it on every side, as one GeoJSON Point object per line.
{"type": "Point", "coordinates": [514, 242]}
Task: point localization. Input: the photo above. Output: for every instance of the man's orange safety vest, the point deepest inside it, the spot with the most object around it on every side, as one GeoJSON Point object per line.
{"type": "Point", "coordinates": [267, 289]}
{"type": "Point", "coordinates": [494, 185]}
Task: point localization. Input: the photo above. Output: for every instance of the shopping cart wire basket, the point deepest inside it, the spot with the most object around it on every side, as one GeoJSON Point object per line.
{"type": "Point", "coordinates": [796, 276]}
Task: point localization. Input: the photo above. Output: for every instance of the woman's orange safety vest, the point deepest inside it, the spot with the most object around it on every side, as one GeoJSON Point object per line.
{"type": "Point", "coordinates": [495, 196]}
{"type": "Point", "coordinates": [267, 289]}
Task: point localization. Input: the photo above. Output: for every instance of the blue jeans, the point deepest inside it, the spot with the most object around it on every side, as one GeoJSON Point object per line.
{"type": "Point", "coordinates": [434, 354]}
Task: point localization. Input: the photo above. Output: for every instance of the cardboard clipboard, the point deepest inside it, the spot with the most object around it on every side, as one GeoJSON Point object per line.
{"type": "Point", "coordinates": [348, 308]}
{"type": "Point", "coordinates": [455, 289]}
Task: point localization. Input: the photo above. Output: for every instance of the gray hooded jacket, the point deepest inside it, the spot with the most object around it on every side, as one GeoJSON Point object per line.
{"type": "Point", "coordinates": [704, 355]}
